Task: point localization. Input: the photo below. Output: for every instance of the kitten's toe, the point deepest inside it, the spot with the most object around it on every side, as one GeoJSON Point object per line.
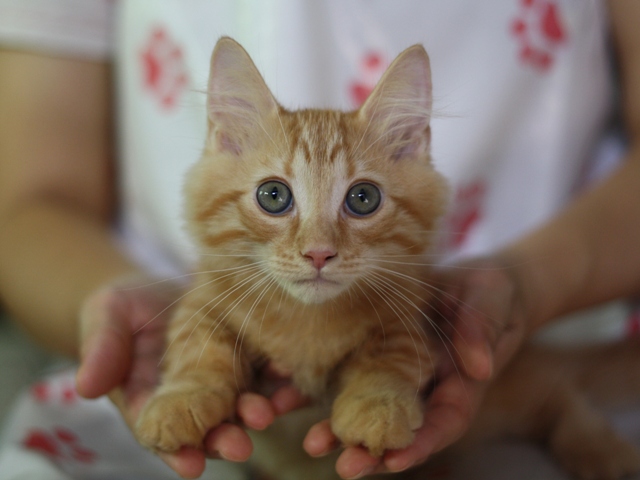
{"type": "Point", "coordinates": [176, 419]}
{"type": "Point", "coordinates": [379, 422]}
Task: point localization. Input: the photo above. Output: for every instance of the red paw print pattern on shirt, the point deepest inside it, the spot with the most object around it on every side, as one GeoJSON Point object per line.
{"type": "Point", "coordinates": [59, 444]}
{"type": "Point", "coordinates": [539, 31]}
{"type": "Point", "coordinates": [163, 68]}
{"type": "Point", "coordinates": [372, 66]}
{"type": "Point", "coordinates": [55, 392]}
{"type": "Point", "coordinates": [468, 210]}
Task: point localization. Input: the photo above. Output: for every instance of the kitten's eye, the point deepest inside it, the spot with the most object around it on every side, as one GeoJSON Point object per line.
{"type": "Point", "coordinates": [274, 197]}
{"type": "Point", "coordinates": [363, 199]}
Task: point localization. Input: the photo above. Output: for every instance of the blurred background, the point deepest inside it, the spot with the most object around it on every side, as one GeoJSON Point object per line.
{"type": "Point", "coordinates": [21, 362]}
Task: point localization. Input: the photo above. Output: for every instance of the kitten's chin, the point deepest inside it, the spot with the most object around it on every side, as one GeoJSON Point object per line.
{"type": "Point", "coordinates": [315, 291]}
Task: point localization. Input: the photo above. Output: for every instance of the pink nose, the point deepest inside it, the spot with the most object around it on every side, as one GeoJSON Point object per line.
{"type": "Point", "coordinates": [319, 258]}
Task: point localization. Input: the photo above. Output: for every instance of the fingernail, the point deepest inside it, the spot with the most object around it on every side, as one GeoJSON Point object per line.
{"type": "Point", "coordinates": [480, 363]}
{"type": "Point", "coordinates": [402, 468]}
{"type": "Point", "coordinates": [365, 471]}
{"type": "Point", "coordinates": [227, 457]}
{"type": "Point", "coordinates": [486, 360]}
{"type": "Point", "coordinates": [321, 454]}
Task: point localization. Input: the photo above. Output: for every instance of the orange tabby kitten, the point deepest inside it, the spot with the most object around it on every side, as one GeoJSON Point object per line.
{"type": "Point", "coordinates": [298, 214]}
{"type": "Point", "coordinates": [301, 217]}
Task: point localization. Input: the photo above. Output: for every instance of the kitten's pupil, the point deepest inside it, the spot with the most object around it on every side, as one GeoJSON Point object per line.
{"type": "Point", "coordinates": [274, 193]}
{"type": "Point", "coordinates": [362, 195]}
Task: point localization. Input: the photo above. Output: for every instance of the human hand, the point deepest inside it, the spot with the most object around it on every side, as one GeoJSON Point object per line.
{"type": "Point", "coordinates": [122, 335]}
{"type": "Point", "coordinates": [482, 319]}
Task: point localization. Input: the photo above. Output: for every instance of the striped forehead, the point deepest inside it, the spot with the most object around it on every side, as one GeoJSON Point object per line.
{"type": "Point", "coordinates": [320, 161]}
{"type": "Point", "coordinates": [319, 137]}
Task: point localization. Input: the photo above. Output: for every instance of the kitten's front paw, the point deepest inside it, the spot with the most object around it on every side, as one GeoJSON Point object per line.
{"type": "Point", "coordinates": [180, 418]}
{"type": "Point", "coordinates": [378, 422]}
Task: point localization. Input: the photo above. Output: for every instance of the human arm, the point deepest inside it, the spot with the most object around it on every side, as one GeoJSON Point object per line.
{"type": "Point", "coordinates": [56, 192]}
{"type": "Point", "coordinates": [62, 277]}
{"type": "Point", "coordinates": [589, 253]}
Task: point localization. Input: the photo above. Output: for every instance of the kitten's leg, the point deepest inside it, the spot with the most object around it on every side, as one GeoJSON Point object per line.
{"type": "Point", "coordinates": [199, 386]}
{"type": "Point", "coordinates": [379, 402]}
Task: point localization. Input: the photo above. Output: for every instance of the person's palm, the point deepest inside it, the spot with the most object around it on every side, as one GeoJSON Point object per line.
{"type": "Point", "coordinates": [123, 328]}
{"type": "Point", "coordinates": [481, 322]}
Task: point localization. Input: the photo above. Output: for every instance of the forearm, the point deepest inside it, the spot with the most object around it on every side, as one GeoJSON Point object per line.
{"type": "Point", "coordinates": [589, 254]}
{"type": "Point", "coordinates": [51, 257]}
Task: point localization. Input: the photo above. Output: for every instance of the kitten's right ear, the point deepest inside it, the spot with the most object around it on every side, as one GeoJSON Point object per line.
{"type": "Point", "coordinates": [238, 99]}
{"type": "Point", "coordinates": [398, 110]}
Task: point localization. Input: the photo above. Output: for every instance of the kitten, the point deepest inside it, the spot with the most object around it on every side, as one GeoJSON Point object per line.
{"type": "Point", "coordinates": [303, 219]}
{"type": "Point", "coordinates": [302, 216]}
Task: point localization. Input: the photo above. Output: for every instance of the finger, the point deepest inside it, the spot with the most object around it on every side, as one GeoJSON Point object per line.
{"type": "Point", "coordinates": [320, 440]}
{"type": "Point", "coordinates": [255, 411]}
{"type": "Point", "coordinates": [473, 349]}
{"type": "Point", "coordinates": [355, 462]}
{"type": "Point", "coordinates": [418, 452]}
{"type": "Point", "coordinates": [187, 462]}
{"type": "Point", "coordinates": [288, 398]}
{"type": "Point", "coordinates": [482, 321]}
{"type": "Point", "coordinates": [451, 410]}
{"type": "Point", "coordinates": [230, 442]}
{"type": "Point", "coordinates": [106, 347]}
{"type": "Point", "coordinates": [449, 413]}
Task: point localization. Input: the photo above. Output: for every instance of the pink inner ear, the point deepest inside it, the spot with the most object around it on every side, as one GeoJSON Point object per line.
{"type": "Point", "coordinates": [234, 119]}
{"type": "Point", "coordinates": [416, 143]}
{"type": "Point", "coordinates": [406, 150]}
{"type": "Point", "coordinates": [226, 144]}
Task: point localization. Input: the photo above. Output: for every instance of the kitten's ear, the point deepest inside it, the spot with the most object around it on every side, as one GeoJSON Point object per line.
{"type": "Point", "coordinates": [399, 108]}
{"type": "Point", "coordinates": [238, 99]}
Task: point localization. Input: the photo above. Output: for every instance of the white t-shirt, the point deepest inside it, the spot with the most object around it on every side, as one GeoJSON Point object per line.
{"type": "Point", "coordinates": [521, 89]}
{"type": "Point", "coordinates": [522, 92]}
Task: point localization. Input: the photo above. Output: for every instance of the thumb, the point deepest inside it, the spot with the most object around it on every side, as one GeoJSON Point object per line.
{"type": "Point", "coordinates": [474, 350]}
{"type": "Point", "coordinates": [106, 344]}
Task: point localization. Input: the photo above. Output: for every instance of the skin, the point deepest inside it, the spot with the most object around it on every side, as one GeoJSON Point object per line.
{"type": "Point", "coordinates": [57, 200]}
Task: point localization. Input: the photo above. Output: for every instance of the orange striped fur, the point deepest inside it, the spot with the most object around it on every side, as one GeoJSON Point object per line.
{"type": "Point", "coordinates": [352, 328]}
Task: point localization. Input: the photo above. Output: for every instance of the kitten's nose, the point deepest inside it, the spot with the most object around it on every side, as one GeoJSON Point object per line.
{"type": "Point", "coordinates": [319, 258]}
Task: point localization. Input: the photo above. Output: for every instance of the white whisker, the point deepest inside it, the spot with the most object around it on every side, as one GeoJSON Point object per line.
{"type": "Point", "coordinates": [237, 349]}
{"type": "Point", "coordinates": [444, 339]}
{"type": "Point", "coordinates": [224, 315]}
{"type": "Point", "coordinates": [400, 312]}
{"type": "Point", "coordinates": [233, 271]}
{"type": "Point", "coordinates": [228, 292]}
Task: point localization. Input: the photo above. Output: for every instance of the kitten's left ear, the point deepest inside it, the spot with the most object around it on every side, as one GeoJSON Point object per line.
{"type": "Point", "coordinates": [398, 111]}
{"type": "Point", "coordinates": [238, 99]}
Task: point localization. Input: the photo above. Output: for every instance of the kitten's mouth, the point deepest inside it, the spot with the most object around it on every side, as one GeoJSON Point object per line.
{"type": "Point", "coordinates": [319, 280]}
{"type": "Point", "coordinates": [316, 289]}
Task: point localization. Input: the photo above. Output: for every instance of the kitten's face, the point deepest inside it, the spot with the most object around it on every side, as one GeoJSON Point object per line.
{"type": "Point", "coordinates": [322, 200]}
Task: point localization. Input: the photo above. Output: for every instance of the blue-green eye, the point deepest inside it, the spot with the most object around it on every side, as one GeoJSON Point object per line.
{"type": "Point", "coordinates": [363, 199]}
{"type": "Point", "coordinates": [274, 197]}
